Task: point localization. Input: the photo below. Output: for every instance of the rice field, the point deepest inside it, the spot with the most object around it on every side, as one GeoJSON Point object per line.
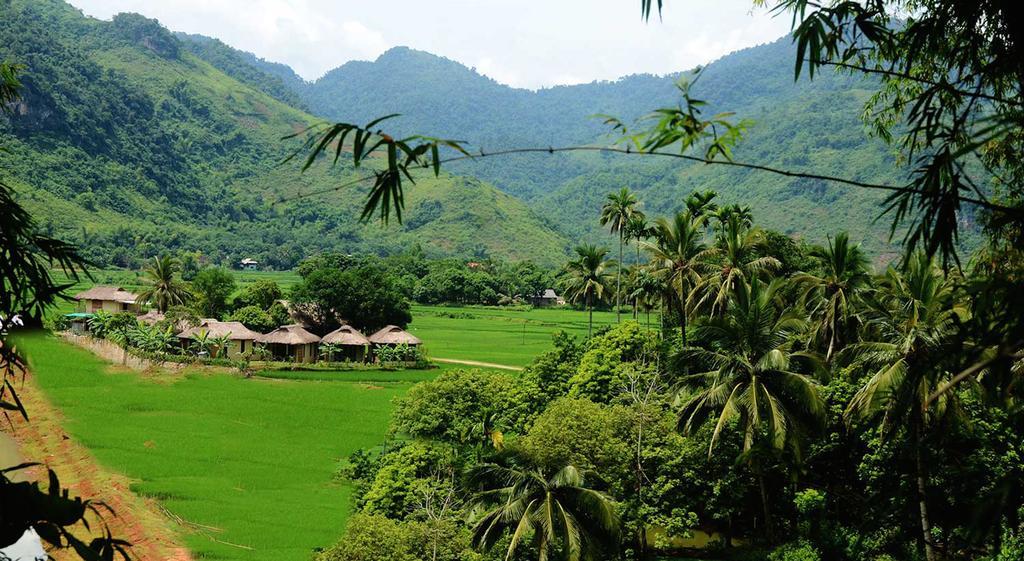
{"type": "Point", "coordinates": [249, 461]}
{"type": "Point", "coordinates": [510, 336]}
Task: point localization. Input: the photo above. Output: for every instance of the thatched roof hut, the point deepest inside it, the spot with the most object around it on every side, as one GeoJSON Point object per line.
{"type": "Point", "coordinates": [213, 328]}
{"type": "Point", "coordinates": [288, 335]}
{"type": "Point", "coordinates": [108, 293]}
{"type": "Point", "coordinates": [346, 335]}
{"type": "Point", "coordinates": [394, 335]}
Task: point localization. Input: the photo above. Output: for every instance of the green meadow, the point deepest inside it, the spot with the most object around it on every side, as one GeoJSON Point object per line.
{"type": "Point", "coordinates": [254, 458]}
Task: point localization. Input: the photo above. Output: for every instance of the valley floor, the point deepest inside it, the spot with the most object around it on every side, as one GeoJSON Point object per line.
{"type": "Point", "coordinates": [243, 469]}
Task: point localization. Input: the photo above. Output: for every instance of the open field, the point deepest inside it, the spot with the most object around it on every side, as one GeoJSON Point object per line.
{"type": "Point", "coordinates": [512, 336]}
{"type": "Point", "coordinates": [251, 458]}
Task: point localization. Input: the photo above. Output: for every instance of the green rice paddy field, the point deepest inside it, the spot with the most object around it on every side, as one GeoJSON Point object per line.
{"type": "Point", "coordinates": [256, 457]}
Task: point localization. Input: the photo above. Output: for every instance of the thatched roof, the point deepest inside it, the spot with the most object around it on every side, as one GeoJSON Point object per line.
{"type": "Point", "coordinates": [151, 317]}
{"type": "Point", "coordinates": [394, 335]}
{"type": "Point", "coordinates": [233, 329]}
{"type": "Point", "coordinates": [106, 292]}
{"type": "Point", "coordinates": [288, 335]}
{"type": "Point", "coordinates": [346, 335]}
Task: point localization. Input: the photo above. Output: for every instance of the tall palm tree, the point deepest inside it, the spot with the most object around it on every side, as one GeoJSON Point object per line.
{"type": "Point", "coordinates": [163, 289]}
{"type": "Point", "coordinates": [638, 230]}
{"type": "Point", "coordinates": [680, 256]}
{"type": "Point", "coordinates": [757, 377]}
{"type": "Point", "coordinates": [833, 294]}
{"type": "Point", "coordinates": [587, 279]}
{"type": "Point", "coordinates": [647, 289]}
{"type": "Point", "coordinates": [736, 250]}
{"type": "Point", "coordinates": [727, 213]}
{"type": "Point", "coordinates": [567, 518]}
{"type": "Point", "coordinates": [701, 203]}
{"type": "Point", "coordinates": [912, 324]}
{"type": "Point", "coordinates": [616, 214]}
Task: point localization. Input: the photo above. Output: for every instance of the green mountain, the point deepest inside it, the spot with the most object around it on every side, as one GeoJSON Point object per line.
{"type": "Point", "coordinates": [806, 125]}
{"type": "Point", "coordinates": [132, 141]}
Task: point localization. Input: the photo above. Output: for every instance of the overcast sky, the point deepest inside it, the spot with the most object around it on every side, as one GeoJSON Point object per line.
{"type": "Point", "coordinates": [523, 43]}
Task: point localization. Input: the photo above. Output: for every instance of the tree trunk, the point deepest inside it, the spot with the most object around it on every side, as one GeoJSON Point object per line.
{"type": "Point", "coordinates": [618, 283]}
{"type": "Point", "coordinates": [764, 503]}
{"type": "Point", "coordinates": [926, 527]}
{"type": "Point", "coordinates": [682, 325]}
{"type": "Point", "coordinates": [636, 300]}
{"type": "Point", "coordinates": [590, 310]}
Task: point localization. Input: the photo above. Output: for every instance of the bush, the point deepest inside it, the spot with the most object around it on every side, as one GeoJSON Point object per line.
{"type": "Point", "coordinates": [399, 353]}
{"type": "Point", "coordinates": [795, 551]}
{"type": "Point", "coordinates": [58, 323]}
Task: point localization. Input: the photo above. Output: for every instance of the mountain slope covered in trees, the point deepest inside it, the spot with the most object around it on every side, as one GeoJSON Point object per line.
{"type": "Point", "coordinates": [804, 126]}
{"type": "Point", "coordinates": [130, 144]}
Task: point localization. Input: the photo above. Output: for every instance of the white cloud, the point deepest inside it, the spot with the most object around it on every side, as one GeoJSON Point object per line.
{"type": "Point", "coordinates": [526, 43]}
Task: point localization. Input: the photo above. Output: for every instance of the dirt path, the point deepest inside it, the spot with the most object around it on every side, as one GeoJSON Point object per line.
{"type": "Point", "coordinates": [139, 521]}
{"type": "Point", "coordinates": [478, 363]}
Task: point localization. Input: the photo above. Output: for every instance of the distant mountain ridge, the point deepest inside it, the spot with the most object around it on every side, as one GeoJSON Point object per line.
{"type": "Point", "coordinates": [799, 125]}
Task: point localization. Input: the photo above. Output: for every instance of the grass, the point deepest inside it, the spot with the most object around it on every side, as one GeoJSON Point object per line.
{"type": "Point", "coordinates": [253, 458]}
{"type": "Point", "coordinates": [510, 336]}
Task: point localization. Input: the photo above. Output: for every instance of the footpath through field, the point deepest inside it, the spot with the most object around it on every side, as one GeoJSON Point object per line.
{"type": "Point", "coordinates": [477, 363]}
{"type": "Point", "coordinates": [139, 521]}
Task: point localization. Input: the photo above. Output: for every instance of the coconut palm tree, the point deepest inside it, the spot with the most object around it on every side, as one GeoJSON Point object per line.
{"type": "Point", "coordinates": [757, 377]}
{"type": "Point", "coordinates": [587, 280]}
{"type": "Point", "coordinates": [911, 321]}
{"type": "Point", "coordinates": [738, 262]}
{"type": "Point", "coordinates": [616, 213]}
{"type": "Point", "coordinates": [680, 256]}
{"type": "Point", "coordinates": [163, 289]}
{"type": "Point", "coordinates": [564, 515]}
{"type": "Point", "coordinates": [638, 230]}
{"type": "Point", "coordinates": [832, 296]}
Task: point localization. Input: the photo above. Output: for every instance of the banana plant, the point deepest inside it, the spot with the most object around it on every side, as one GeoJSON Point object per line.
{"type": "Point", "coordinates": [219, 345]}
{"type": "Point", "coordinates": [201, 342]}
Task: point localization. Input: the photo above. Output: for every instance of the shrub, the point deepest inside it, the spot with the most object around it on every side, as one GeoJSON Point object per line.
{"type": "Point", "coordinates": [254, 318]}
{"type": "Point", "coordinates": [58, 323]}
{"type": "Point", "coordinates": [800, 550]}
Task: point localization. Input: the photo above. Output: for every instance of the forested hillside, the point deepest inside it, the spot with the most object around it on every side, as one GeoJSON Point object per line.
{"type": "Point", "coordinates": [808, 125]}
{"type": "Point", "coordinates": [128, 143]}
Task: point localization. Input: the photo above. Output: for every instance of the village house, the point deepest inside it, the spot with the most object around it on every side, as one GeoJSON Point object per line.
{"type": "Point", "coordinates": [353, 345]}
{"type": "Point", "coordinates": [109, 299]}
{"type": "Point", "coordinates": [392, 336]}
{"type": "Point", "coordinates": [547, 299]}
{"type": "Point", "coordinates": [242, 339]}
{"type": "Point", "coordinates": [291, 343]}
{"type": "Point", "coordinates": [248, 264]}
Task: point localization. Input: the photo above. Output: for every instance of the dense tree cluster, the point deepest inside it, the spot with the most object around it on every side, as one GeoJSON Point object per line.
{"type": "Point", "coordinates": [790, 400]}
{"type": "Point", "coordinates": [371, 292]}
